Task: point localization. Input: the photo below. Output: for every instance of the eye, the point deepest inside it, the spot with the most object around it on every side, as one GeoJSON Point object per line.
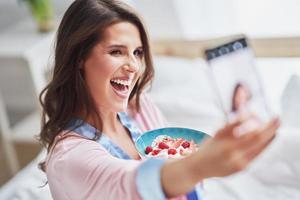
{"type": "Point", "coordinates": [115, 52]}
{"type": "Point", "coordinates": [139, 53]}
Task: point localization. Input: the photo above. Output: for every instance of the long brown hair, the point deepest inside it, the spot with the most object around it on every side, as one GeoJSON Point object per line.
{"type": "Point", "coordinates": [80, 30]}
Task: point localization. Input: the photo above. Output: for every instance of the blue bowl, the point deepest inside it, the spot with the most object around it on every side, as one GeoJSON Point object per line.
{"type": "Point", "coordinates": [147, 138]}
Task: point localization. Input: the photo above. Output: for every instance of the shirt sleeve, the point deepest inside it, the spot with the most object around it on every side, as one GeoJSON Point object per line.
{"type": "Point", "coordinates": [100, 175]}
{"type": "Point", "coordinates": [148, 180]}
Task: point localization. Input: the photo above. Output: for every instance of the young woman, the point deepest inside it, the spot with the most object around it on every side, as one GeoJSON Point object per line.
{"type": "Point", "coordinates": [94, 109]}
{"type": "Point", "coordinates": [241, 97]}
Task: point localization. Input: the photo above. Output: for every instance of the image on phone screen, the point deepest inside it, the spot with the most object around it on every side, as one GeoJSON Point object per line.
{"type": "Point", "coordinates": [235, 79]}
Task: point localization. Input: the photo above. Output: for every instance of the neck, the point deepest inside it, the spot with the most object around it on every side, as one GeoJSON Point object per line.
{"type": "Point", "coordinates": [110, 122]}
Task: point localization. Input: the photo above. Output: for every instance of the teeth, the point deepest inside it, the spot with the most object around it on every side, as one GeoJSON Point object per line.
{"type": "Point", "coordinates": [122, 82]}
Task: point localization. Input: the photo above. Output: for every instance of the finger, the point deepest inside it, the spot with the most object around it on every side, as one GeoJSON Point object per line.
{"type": "Point", "coordinates": [250, 140]}
{"type": "Point", "coordinates": [266, 135]}
{"type": "Point", "coordinates": [272, 124]}
{"type": "Point", "coordinates": [241, 116]}
{"type": "Point", "coordinates": [252, 154]}
{"type": "Point", "coordinates": [227, 130]}
{"type": "Point", "coordinates": [244, 159]}
{"type": "Point", "coordinates": [248, 156]}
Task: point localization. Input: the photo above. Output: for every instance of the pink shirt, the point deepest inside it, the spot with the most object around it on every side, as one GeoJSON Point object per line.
{"type": "Point", "coordinates": [79, 168]}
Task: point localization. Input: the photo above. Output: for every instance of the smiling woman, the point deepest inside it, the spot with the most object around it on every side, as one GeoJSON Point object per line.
{"type": "Point", "coordinates": [118, 58]}
{"type": "Point", "coordinates": [94, 109]}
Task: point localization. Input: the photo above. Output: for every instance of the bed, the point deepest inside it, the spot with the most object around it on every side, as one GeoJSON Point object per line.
{"type": "Point", "coordinates": [181, 91]}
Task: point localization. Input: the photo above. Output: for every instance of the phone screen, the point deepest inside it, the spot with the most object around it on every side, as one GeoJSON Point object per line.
{"type": "Point", "coordinates": [236, 80]}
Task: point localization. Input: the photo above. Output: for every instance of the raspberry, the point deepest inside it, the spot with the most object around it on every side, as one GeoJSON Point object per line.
{"type": "Point", "coordinates": [172, 151]}
{"type": "Point", "coordinates": [148, 149]}
{"type": "Point", "coordinates": [177, 142]}
{"type": "Point", "coordinates": [155, 152]}
{"type": "Point", "coordinates": [163, 145]}
{"type": "Point", "coordinates": [186, 144]}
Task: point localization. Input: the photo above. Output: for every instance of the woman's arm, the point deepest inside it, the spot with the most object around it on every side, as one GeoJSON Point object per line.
{"type": "Point", "coordinates": [220, 156]}
{"type": "Point", "coordinates": [223, 155]}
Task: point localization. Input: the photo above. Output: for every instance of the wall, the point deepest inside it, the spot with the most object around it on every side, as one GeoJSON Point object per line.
{"type": "Point", "coordinates": [14, 11]}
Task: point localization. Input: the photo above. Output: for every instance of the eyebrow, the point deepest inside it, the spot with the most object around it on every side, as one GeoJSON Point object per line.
{"type": "Point", "coordinates": [121, 46]}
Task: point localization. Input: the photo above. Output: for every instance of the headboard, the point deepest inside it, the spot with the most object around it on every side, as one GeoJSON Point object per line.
{"type": "Point", "coordinates": [263, 47]}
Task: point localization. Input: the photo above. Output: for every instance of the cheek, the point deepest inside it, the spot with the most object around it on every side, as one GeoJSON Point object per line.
{"type": "Point", "coordinates": [243, 96]}
{"type": "Point", "coordinates": [100, 70]}
{"type": "Point", "coordinates": [105, 67]}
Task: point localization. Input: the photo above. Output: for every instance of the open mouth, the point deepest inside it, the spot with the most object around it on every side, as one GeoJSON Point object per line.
{"type": "Point", "coordinates": [121, 87]}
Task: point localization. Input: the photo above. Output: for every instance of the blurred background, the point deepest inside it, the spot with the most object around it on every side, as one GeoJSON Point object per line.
{"type": "Point", "coordinates": [179, 31]}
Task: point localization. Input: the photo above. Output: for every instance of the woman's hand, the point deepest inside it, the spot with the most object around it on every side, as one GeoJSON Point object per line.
{"type": "Point", "coordinates": [227, 153]}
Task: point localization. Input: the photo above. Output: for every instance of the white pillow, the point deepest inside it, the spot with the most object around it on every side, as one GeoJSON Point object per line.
{"type": "Point", "coordinates": [182, 91]}
{"type": "Point", "coordinates": [290, 103]}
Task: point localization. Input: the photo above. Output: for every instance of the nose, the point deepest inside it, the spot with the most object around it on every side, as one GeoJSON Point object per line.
{"type": "Point", "coordinates": [132, 64]}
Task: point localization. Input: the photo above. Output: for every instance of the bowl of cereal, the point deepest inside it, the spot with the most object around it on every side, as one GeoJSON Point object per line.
{"type": "Point", "coordinates": [172, 142]}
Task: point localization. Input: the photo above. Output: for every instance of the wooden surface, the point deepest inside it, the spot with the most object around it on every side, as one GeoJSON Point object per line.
{"type": "Point", "coordinates": [26, 152]}
{"type": "Point", "coordinates": [263, 47]}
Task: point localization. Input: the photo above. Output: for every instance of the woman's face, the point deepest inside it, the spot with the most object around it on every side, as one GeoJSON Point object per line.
{"type": "Point", "coordinates": [114, 66]}
{"type": "Point", "coordinates": [242, 96]}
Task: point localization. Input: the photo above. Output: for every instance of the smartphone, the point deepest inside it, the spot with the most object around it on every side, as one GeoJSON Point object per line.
{"type": "Point", "coordinates": [235, 79]}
